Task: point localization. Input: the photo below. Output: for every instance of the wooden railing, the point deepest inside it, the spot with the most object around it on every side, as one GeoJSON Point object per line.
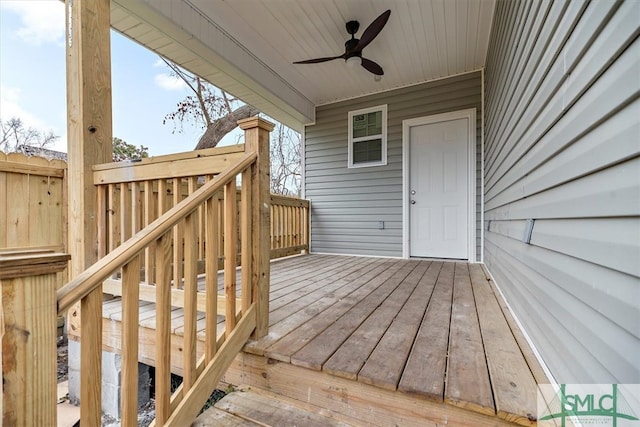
{"type": "Point", "coordinates": [289, 225]}
{"type": "Point", "coordinates": [150, 189]}
{"type": "Point", "coordinates": [166, 244]}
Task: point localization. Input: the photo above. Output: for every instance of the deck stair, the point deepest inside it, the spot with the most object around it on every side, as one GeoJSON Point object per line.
{"type": "Point", "coordinates": [253, 407]}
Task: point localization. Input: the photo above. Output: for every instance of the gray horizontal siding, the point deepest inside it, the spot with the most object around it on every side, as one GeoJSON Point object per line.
{"type": "Point", "coordinates": [562, 146]}
{"type": "Point", "coordinates": [348, 204]}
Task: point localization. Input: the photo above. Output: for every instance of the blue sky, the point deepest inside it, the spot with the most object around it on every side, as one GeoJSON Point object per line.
{"type": "Point", "coordinates": [32, 80]}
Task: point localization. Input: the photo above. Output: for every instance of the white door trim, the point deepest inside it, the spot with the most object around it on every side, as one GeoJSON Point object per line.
{"type": "Point", "coordinates": [469, 114]}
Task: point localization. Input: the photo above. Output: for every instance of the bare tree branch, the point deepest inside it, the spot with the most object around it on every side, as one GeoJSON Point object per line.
{"type": "Point", "coordinates": [223, 125]}
{"type": "Point", "coordinates": [15, 135]}
{"type": "Point", "coordinates": [216, 112]}
{"type": "Point", "coordinates": [226, 102]}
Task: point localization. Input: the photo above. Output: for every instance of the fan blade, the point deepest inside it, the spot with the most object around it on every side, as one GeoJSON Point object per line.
{"type": "Point", "coordinates": [372, 67]}
{"type": "Point", "coordinates": [373, 30]}
{"type": "Point", "coordinates": [317, 60]}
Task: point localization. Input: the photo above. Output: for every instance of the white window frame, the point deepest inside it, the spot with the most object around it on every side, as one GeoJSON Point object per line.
{"type": "Point", "coordinates": [382, 136]}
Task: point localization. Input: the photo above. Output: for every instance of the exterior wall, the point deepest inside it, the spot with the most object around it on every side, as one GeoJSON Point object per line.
{"type": "Point", "coordinates": [348, 204]}
{"type": "Point", "coordinates": [562, 148]}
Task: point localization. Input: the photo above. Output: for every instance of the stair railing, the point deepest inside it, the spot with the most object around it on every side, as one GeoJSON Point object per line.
{"type": "Point", "coordinates": [155, 246]}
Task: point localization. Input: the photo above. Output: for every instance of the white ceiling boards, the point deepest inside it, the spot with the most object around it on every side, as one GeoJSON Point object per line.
{"type": "Point", "coordinates": [248, 47]}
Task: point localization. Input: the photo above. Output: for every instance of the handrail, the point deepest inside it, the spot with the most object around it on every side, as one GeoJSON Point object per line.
{"type": "Point", "coordinates": [92, 277]}
{"type": "Point", "coordinates": [212, 160]}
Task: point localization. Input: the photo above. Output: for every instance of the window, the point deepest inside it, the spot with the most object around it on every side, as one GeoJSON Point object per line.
{"type": "Point", "coordinates": [368, 137]}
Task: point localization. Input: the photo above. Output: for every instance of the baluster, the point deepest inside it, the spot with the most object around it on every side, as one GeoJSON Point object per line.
{"type": "Point", "coordinates": [211, 276]}
{"type": "Point", "coordinates": [112, 218]}
{"type": "Point", "coordinates": [230, 216]}
{"type": "Point", "coordinates": [177, 237]}
{"type": "Point", "coordinates": [190, 299]}
{"type": "Point", "coordinates": [125, 212]}
{"type": "Point", "coordinates": [201, 226]}
{"type": "Point", "coordinates": [163, 319]}
{"type": "Point", "coordinates": [192, 184]}
{"type": "Point", "coordinates": [149, 217]}
{"type": "Point", "coordinates": [282, 230]}
{"type": "Point", "coordinates": [136, 214]}
{"type": "Point", "coordinates": [220, 203]}
{"type": "Point", "coordinates": [130, 319]}
{"type": "Point", "coordinates": [103, 218]}
{"type": "Point", "coordinates": [297, 225]}
{"type": "Point", "coordinates": [272, 235]}
{"type": "Point", "coordinates": [245, 236]}
{"type": "Point", "coordinates": [290, 229]}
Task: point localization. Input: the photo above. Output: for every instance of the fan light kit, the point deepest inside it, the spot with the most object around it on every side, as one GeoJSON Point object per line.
{"type": "Point", "coordinates": [353, 47]}
{"type": "Point", "coordinates": [353, 62]}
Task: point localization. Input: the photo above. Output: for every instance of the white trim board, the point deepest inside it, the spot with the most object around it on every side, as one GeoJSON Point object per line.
{"type": "Point", "coordinates": [470, 115]}
{"type": "Point", "coordinates": [482, 169]}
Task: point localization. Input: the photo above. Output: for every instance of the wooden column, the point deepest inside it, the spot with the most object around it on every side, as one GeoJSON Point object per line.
{"type": "Point", "coordinates": [29, 328]}
{"type": "Point", "coordinates": [89, 143]}
{"type": "Point", "coordinates": [256, 139]}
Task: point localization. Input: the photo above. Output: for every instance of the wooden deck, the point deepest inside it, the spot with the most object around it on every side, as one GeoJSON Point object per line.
{"type": "Point", "coordinates": [425, 341]}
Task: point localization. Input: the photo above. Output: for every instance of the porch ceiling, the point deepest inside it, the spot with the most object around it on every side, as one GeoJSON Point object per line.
{"type": "Point", "coordinates": [247, 47]}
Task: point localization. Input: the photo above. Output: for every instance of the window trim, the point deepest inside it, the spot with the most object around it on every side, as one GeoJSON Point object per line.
{"type": "Point", "coordinates": [382, 137]}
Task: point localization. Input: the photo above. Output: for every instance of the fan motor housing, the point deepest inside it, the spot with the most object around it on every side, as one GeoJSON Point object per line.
{"type": "Point", "coordinates": [352, 27]}
{"type": "Point", "coordinates": [349, 47]}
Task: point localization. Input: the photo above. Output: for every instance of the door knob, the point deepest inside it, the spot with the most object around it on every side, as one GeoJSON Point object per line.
{"type": "Point", "coordinates": [413, 202]}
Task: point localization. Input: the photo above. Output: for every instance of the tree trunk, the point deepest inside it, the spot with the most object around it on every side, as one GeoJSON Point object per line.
{"type": "Point", "coordinates": [222, 126]}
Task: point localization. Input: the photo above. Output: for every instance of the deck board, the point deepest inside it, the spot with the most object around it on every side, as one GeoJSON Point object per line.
{"type": "Point", "coordinates": [431, 343]}
{"type": "Point", "coordinates": [298, 299]}
{"type": "Point", "coordinates": [315, 353]}
{"type": "Point", "coordinates": [436, 331]}
{"type": "Point", "coordinates": [513, 382]}
{"type": "Point", "coordinates": [467, 378]}
{"type": "Point", "coordinates": [354, 352]}
{"type": "Point", "coordinates": [328, 310]}
{"type": "Point", "coordinates": [386, 363]}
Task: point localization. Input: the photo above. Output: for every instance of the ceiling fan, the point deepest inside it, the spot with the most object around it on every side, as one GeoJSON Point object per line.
{"type": "Point", "coordinates": [353, 47]}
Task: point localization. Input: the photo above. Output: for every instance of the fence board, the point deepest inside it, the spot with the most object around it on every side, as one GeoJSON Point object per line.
{"type": "Point", "coordinates": [32, 202]}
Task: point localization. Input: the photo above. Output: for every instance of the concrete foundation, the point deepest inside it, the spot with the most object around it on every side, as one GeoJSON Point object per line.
{"type": "Point", "coordinates": [111, 380]}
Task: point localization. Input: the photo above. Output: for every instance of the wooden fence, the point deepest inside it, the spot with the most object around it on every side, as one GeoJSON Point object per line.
{"type": "Point", "coordinates": [33, 206]}
{"type": "Point", "coordinates": [33, 203]}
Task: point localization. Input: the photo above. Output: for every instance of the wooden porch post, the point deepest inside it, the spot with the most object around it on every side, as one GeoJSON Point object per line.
{"type": "Point", "coordinates": [89, 143]}
{"type": "Point", "coordinates": [28, 324]}
{"type": "Point", "coordinates": [256, 138]}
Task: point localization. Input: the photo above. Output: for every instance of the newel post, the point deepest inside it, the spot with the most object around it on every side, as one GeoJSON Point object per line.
{"type": "Point", "coordinates": [256, 139]}
{"type": "Point", "coordinates": [28, 324]}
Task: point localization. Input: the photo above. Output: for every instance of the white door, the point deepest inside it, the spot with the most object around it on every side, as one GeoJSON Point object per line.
{"type": "Point", "coordinates": [438, 189]}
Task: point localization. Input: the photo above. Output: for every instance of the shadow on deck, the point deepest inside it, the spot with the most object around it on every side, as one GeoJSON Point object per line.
{"type": "Point", "coordinates": [379, 342]}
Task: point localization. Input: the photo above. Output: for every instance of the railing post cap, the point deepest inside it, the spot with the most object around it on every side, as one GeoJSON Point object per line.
{"type": "Point", "coordinates": [31, 262]}
{"type": "Point", "coordinates": [256, 121]}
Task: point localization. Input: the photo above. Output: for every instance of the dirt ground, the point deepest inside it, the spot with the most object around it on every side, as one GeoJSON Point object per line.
{"type": "Point", "coordinates": [63, 359]}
